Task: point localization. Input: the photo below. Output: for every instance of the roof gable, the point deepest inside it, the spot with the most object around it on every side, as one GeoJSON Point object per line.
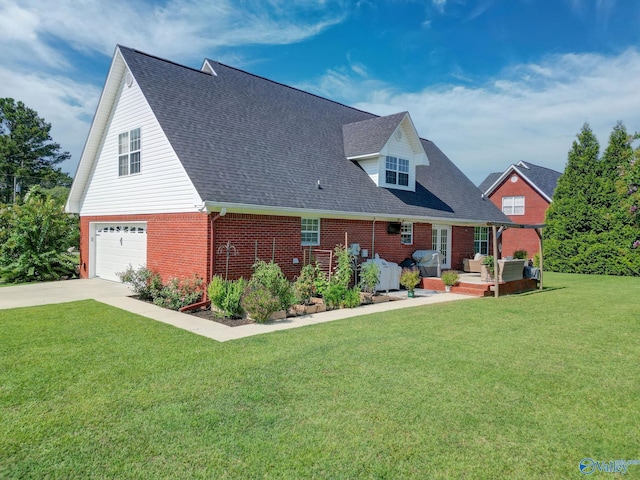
{"type": "Point", "coordinates": [543, 180]}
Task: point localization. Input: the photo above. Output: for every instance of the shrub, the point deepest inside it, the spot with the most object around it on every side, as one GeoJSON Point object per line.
{"type": "Point", "coordinates": [351, 298]}
{"type": "Point", "coordinates": [409, 278]}
{"type": "Point", "coordinates": [369, 276]}
{"type": "Point", "coordinates": [259, 302]}
{"type": "Point", "coordinates": [334, 295]}
{"type": "Point", "coordinates": [306, 285]}
{"type": "Point", "coordinates": [536, 260]}
{"type": "Point", "coordinates": [520, 254]}
{"type": "Point", "coordinates": [450, 278]}
{"type": "Point", "coordinates": [179, 293]}
{"type": "Point", "coordinates": [271, 277]}
{"type": "Point", "coordinates": [488, 261]}
{"type": "Point", "coordinates": [342, 272]}
{"type": "Point", "coordinates": [226, 295]}
{"type": "Point", "coordinates": [143, 282]}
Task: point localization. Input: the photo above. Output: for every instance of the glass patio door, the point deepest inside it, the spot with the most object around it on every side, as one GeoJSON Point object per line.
{"type": "Point", "coordinates": [441, 241]}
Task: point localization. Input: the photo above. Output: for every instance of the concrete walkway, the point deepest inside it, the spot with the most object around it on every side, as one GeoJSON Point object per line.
{"type": "Point", "coordinates": [117, 295]}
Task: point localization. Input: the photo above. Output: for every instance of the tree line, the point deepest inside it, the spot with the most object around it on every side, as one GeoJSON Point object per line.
{"type": "Point", "coordinates": [593, 222]}
{"type": "Point", "coordinates": [38, 240]}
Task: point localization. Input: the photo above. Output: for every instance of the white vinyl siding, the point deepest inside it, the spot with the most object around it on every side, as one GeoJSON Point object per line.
{"type": "Point", "coordinates": [513, 205]}
{"type": "Point", "coordinates": [406, 233]}
{"type": "Point", "coordinates": [164, 186]}
{"type": "Point", "coordinates": [310, 232]}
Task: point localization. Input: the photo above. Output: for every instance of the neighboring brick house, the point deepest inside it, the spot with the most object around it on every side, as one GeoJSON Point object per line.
{"type": "Point", "coordinates": [523, 192]}
{"type": "Point", "coordinates": [181, 165]}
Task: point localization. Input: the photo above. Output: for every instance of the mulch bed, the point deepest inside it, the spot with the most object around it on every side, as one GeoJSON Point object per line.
{"type": "Point", "coordinates": [229, 322]}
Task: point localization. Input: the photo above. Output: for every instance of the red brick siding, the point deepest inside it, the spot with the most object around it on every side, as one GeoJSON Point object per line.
{"type": "Point", "coordinates": [177, 244]}
{"type": "Point", "coordinates": [534, 211]}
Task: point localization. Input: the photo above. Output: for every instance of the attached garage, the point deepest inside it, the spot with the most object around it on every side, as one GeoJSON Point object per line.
{"type": "Point", "coordinates": [118, 245]}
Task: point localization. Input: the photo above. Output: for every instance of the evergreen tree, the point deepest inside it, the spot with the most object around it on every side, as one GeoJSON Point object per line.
{"type": "Point", "coordinates": [569, 216]}
{"type": "Point", "coordinates": [591, 226]}
{"type": "Point", "coordinates": [28, 155]}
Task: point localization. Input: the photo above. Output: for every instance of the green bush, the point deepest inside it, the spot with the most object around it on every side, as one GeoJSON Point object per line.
{"type": "Point", "coordinates": [536, 260]}
{"type": "Point", "coordinates": [369, 276]}
{"type": "Point", "coordinates": [306, 285]}
{"type": "Point", "coordinates": [178, 293]}
{"type": "Point", "coordinates": [334, 295]}
{"type": "Point", "coordinates": [144, 283]}
{"type": "Point", "coordinates": [37, 239]}
{"type": "Point", "coordinates": [259, 302]}
{"type": "Point", "coordinates": [351, 298]}
{"type": "Point", "coordinates": [520, 254]}
{"type": "Point", "coordinates": [270, 276]}
{"type": "Point", "coordinates": [450, 278]}
{"type": "Point", "coordinates": [488, 261]}
{"type": "Point", "coordinates": [343, 271]}
{"type": "Point", "coordinates": [226, 295]}
{"type": "Point", "coordinates": [409, 278]}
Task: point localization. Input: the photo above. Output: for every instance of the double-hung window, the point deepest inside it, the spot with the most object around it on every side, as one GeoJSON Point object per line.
{"type": "Point", "coordinates": [481, 240]}
{"type": "Point", "coordinates": [397, 171]}
{"type": "Point", "coordinates": [310, 232]}
{"type": "Point", "coordinates": [513, 205]}
{"type": "Point", "coordinates": [406, 233]}
{"type": "Point", "coordinates": [129, 152]}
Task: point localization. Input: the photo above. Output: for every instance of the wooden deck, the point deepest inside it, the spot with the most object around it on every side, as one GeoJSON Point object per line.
{"type": "Point", "coordinates": [471, 284]}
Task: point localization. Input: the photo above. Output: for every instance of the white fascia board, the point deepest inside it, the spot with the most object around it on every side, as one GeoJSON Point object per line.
{"type": "Point", "coordinates": [532, 185]}
{"type": "Point", "coordinates": [208, 68]}
{"type": "Point", "coordinates": [499, 180]}
{"type": "Point", "coordinates": [366, 156]}
{"type": "Point", "coordinates": [245, 208]}
{"type": "Point", "coordinates": [421, 152]}
{"type": "Point", "coordinates": [96, 133]}
{"type": "Point", "coordinates": [515, 169]}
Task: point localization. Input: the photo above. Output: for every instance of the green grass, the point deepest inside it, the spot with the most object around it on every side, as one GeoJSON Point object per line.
{"type": "Point", "coordinates": [519, 387]}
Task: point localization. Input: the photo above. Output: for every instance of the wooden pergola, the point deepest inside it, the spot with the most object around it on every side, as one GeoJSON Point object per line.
{"type": "Point", "coordinates": [496, 229]}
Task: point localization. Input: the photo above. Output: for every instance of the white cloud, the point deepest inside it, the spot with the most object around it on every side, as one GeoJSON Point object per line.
{"type": "Point", "coordinates": [174, 30]}
{"type": "Point", "coordinates": [439, 4]}
{"type": "Point", "coordinates": [67, 105]}
{"type": "Point", "coordinates": [530, 112]}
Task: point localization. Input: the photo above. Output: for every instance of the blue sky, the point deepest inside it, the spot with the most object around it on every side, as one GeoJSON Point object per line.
{"type": "Point", "coordinates": [491, 82]}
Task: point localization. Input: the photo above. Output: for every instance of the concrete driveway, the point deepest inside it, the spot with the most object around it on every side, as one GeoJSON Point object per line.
{"type": "Point", "coordinates": [118, 295]}
{"type": "Point", "coordinates": [31, 295]}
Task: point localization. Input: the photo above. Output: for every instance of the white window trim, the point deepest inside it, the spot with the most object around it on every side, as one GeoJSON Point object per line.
{"type": "Point", "coordinates": [130, 152]}
{"type": "Point", "coordinates": [302, 232]}
{"type": "Point", "coordinates": [397, 171]}
{"type": "Point", "coordinates": [511, 205]}
{"type": "Point", "coordinates": [481, 240]}
{"type": "Point", "coordinates": [406, 229]}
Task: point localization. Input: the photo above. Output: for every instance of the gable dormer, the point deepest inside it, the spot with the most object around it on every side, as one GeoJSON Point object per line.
{"type": "Point", "coordinates": [387, 148]}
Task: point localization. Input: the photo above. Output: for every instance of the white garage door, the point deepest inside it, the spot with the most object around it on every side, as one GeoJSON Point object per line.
{"type": "Point", "coordinates": [118, 246]}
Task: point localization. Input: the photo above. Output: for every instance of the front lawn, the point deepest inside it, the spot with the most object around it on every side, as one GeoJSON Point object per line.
{"type": "Point", "coordinates": [519, 387]}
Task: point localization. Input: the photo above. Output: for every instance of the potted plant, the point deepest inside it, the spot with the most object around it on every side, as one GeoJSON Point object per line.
{"type": "Point", "coordinates": [449, 278]}
{"type": "Point", "coordinates": [487, 269]}
{"type": "Point", "coordinates": [409, 279]}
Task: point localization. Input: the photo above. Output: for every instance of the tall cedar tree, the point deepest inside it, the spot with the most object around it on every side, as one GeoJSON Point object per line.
{"type": "Point", "coordinates": [28, 155]}
{"type": "Point", "coordinates": [588, 230]}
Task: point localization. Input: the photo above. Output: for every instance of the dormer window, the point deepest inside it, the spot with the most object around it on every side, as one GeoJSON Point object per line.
{"type": "Point", "coordinates": [397, 171]}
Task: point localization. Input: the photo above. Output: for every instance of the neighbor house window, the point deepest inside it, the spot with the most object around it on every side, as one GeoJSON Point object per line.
{"type": "Point", "coordinates": [481, 240]}
{"type": "Point", "coordinates": [129, 152]}
{"type": "Point", "coordinates": [406, 233]}
{"type": "Point", "coordinates": [513, 205]}
{"type": "Point", "coordinates": [310, 231]}
{"type": "Point", "coordinates": [397, 171]}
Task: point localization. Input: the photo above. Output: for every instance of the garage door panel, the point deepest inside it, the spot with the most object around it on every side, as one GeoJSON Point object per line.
{"type": "Point", "coordinates": [118, 246]}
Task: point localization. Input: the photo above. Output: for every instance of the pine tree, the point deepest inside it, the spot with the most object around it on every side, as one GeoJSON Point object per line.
{"type": "Point", "coordinates": [28, 155]}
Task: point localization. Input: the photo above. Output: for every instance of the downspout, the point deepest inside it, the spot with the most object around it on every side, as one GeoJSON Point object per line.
{"type": "Point", "coordinates": [212, 248]}
{"type": "Point", "coordinates": [373, 238]}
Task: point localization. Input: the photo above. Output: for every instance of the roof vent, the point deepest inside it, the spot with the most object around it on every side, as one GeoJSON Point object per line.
{"type": "Point", "coordinates": [128, 79]}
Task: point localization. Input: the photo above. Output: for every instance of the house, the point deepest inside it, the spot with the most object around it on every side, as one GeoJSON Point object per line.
{"type": "Point", "coordinates": [203, 171]}
{"type": "Point", "coordinates": [523, 192]}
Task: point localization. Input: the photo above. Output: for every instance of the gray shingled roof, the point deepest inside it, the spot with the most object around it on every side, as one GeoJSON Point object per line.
{"type": "Point", "coordinates": [243, 139]}
{"type": "Point", "coordinates": [490, 180]}
{"type": "Point", "coordinates": [542, 178]}
{"type": "Point", "coordinates": [369, 136]}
